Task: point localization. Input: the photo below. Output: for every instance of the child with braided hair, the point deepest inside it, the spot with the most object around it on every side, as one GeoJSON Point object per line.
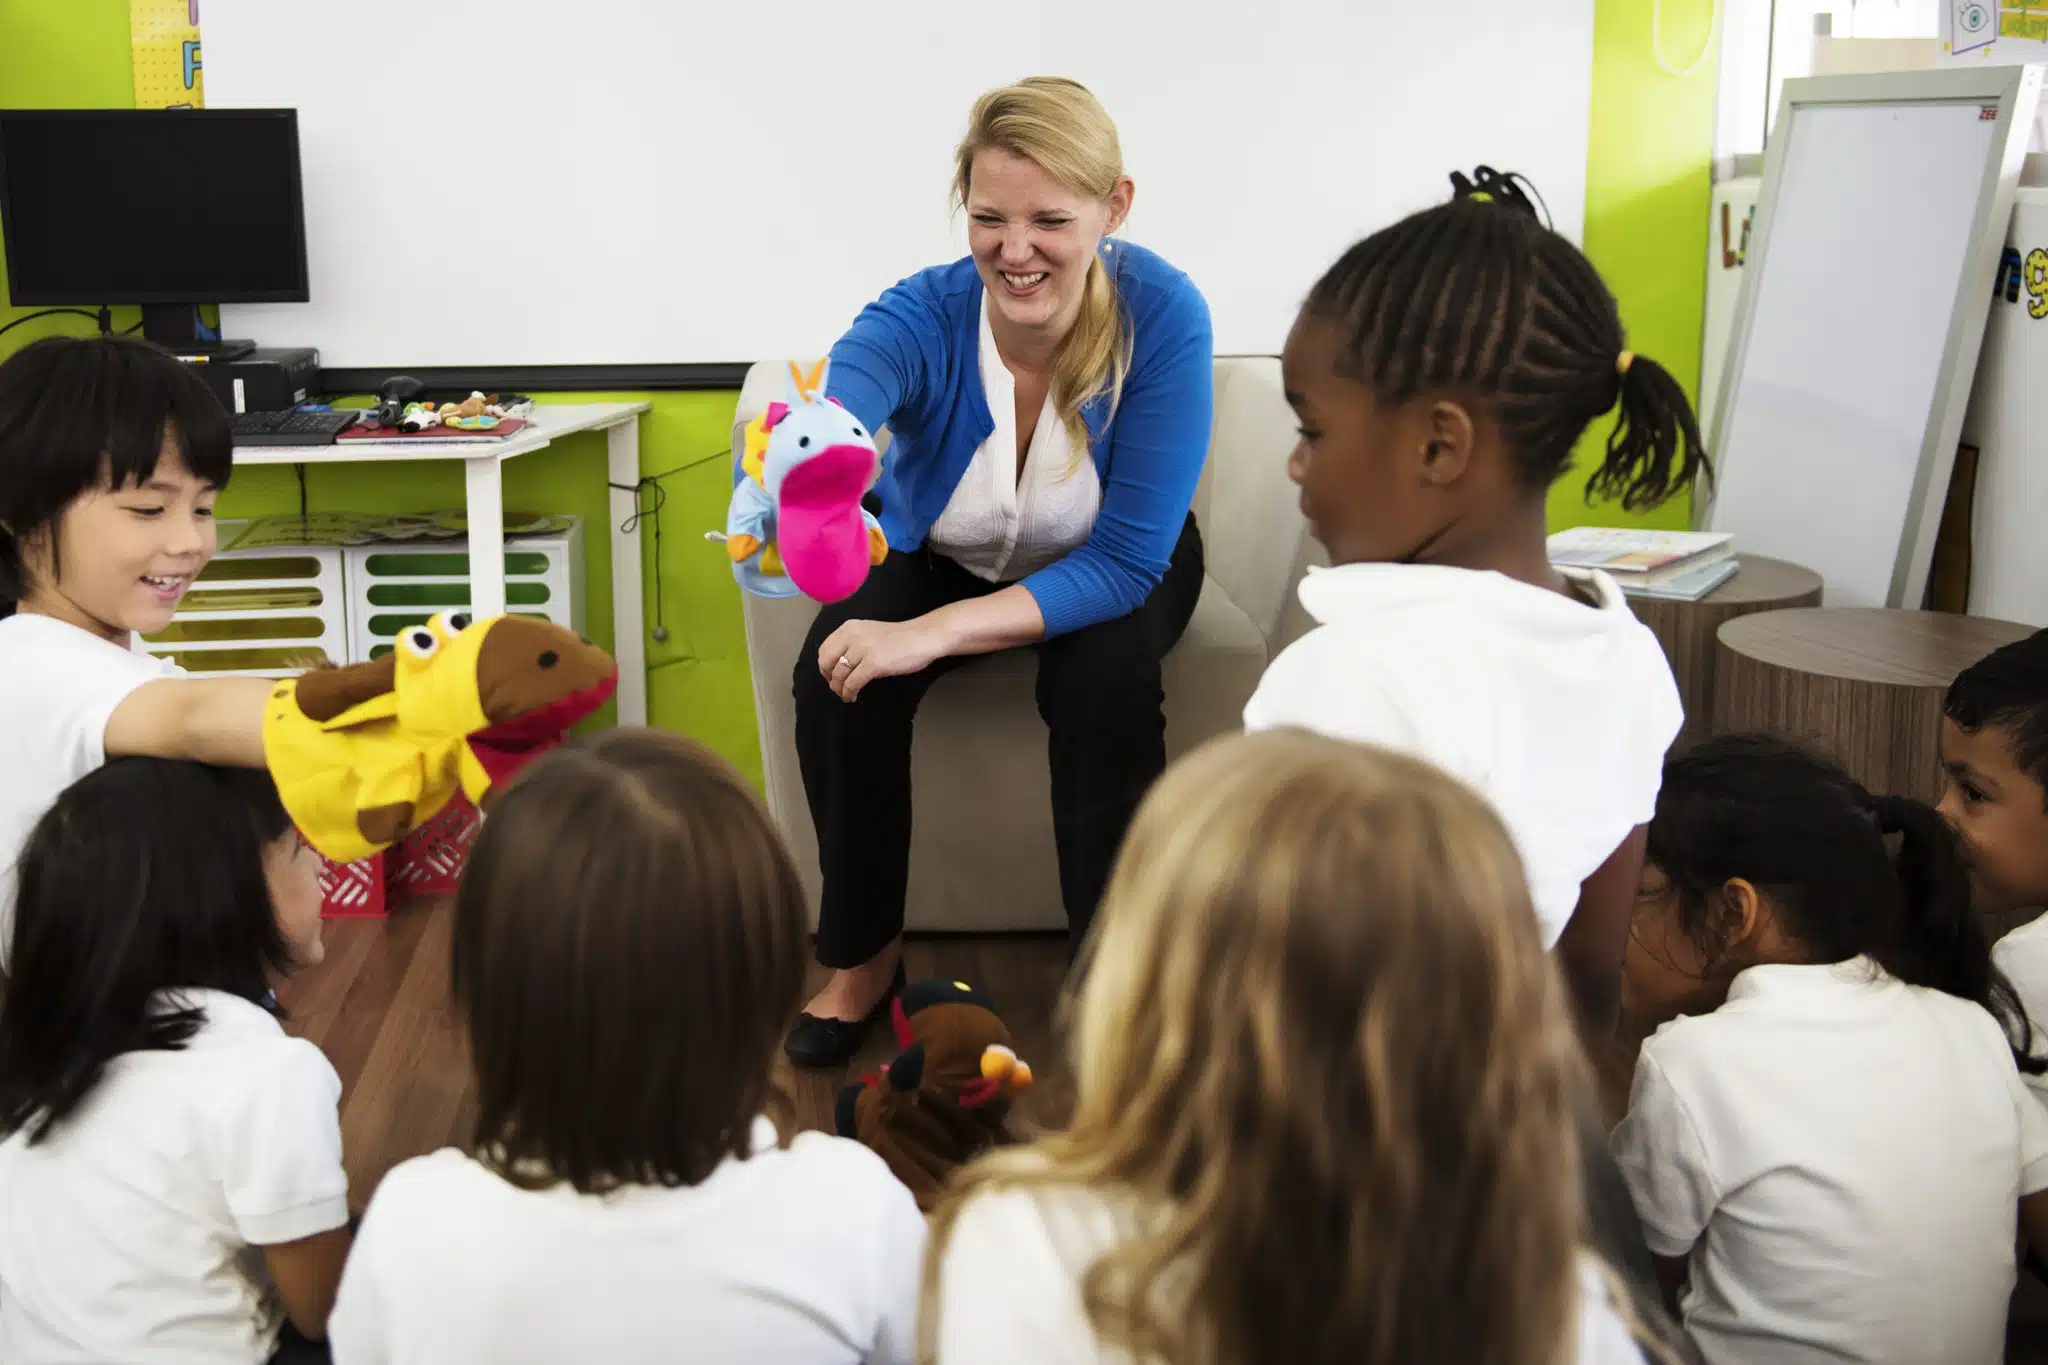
{"type": "Point", "coordinates": [1442, 371]}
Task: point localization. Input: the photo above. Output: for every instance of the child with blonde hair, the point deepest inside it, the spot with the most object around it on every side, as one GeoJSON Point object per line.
{"type": "Point", "coordinates": [1328, 1097]}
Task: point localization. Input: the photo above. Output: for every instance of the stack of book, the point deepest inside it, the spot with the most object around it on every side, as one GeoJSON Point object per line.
{"type": "Point", "coordinates": [1681, 566]}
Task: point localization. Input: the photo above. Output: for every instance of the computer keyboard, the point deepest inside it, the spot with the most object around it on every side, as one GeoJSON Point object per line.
{"type": "Point", "coordinates": [291, 428]}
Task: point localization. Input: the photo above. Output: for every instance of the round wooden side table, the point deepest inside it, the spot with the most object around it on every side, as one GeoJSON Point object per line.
{"type": "Point", "coordinates": [1863, 684]}
{"type": "Point", "coordinates": [1687, 629]}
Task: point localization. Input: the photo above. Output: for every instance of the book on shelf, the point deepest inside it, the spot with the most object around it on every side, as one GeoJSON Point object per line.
{"type": "Point", "coordinates": [1636, 555]}
{"type": "Point", "coordinates": [1688, 583]}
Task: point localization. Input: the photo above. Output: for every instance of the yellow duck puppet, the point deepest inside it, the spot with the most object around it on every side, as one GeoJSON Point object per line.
{"type": "Point", "coordinates": [945, 1098]}
{"type": "Point", "coordinates": [365, 754]}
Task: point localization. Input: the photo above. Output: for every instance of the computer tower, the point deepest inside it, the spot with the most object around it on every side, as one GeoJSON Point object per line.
{"type": "Point", "coordinates": [264, 380]}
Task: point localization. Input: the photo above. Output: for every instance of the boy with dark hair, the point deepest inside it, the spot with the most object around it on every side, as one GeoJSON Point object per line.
{"type": "Point", "coordinates": [1994, 756]}
{"type": "Point", "coordinates": [1994, 753]}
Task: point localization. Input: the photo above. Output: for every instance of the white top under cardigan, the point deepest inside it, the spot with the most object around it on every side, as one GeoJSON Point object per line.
{"type": "Point", "coordinates": [1001, 527]}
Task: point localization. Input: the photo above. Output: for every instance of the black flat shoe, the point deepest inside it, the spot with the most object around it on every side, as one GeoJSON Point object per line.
{"type": "Point", "coordinates": [815, 1043]}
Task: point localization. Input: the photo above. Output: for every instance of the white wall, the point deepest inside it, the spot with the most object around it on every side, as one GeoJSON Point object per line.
{"type": "Point", "coordinates": [624, 181]}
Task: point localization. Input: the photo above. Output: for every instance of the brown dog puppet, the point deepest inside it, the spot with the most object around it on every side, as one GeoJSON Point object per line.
{"type": "Point", "coordinates": [943, 1101]}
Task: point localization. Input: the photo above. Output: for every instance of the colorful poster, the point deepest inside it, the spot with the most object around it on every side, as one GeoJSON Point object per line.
{"type": "Point", "coordinates": [2008, 31]}
{"type": "Point", "coordinates": [164, 35]}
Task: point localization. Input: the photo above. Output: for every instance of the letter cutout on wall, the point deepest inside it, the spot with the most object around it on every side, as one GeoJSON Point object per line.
{"type": "Point", "coordinates": [163, 36]}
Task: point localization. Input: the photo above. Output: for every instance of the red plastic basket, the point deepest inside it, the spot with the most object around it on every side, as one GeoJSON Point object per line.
{"type": "Point", "coordinates": [353, 890]}
{"type": "Point", "coordinates": [428, 862]}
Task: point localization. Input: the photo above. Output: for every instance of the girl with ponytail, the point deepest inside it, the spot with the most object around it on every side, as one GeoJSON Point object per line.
{"type": "Point", "coordinates": [1443, 371]}
{"type": "Point", "coordinates": [1828, 1139]}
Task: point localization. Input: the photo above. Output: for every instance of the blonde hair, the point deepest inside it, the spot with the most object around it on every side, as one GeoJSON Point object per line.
{"type": "Point", "coordinates": [1060, 126]}
{"type": "Point", "coordinates": [1320, 1048]}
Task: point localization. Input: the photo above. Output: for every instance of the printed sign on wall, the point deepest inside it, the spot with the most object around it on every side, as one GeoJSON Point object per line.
{"type": "Point", "coordinates": [1999, 30]}
{"type": "Point", "coordinates": [164, 35]}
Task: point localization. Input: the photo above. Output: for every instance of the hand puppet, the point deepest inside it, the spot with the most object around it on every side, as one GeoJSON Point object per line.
{"type": "Point", "coordinates": [365, 754]}
{"type": "Point", "coordinates": [795, 523]}
{"type": "Point", "coordinates": [943, 1101]}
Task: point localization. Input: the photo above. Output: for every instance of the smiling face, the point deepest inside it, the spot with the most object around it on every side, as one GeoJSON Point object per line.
{"type": "Point", "coordinates": [124, 556]}
{"type": "Point", "coordinates": [2001, 813]}
{"type": "Point", "coordinates": [1033, 239]}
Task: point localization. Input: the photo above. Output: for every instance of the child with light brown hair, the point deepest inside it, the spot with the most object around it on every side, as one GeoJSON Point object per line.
{"type": "Point", "coordinates": [629, 945]}
{"type": "Point", "coordinates": [1329, 1089]}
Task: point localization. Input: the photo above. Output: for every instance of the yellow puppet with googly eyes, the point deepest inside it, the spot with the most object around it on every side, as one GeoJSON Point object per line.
{"type": "Point", "coordinates": [364, 755]}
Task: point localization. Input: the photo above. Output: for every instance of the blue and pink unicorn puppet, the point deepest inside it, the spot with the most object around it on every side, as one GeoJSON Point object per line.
{"type": "Point", "coordinates": [795, 523]}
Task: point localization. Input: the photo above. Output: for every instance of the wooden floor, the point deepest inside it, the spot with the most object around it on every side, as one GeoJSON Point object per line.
{"type": "Point", "coordinates": [378, 1007]}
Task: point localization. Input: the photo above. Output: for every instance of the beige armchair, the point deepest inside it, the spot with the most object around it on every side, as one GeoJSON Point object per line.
{"type": "Point", "coordinates": [981, 855]}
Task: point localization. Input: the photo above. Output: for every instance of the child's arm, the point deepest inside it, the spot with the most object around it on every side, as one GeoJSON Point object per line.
{"type": "Point", "coordinates": [307, 1273]}
{"type": "Point", "coordinates": [211, 720]}
{"type": "Point", "coordinates": [1664, 1164]}
{"type": "Point", "coordinates": [1595, 939]}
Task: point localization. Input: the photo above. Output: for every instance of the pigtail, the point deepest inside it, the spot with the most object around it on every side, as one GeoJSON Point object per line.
{"type": "Point", "coordinates": [1655, 449]}
{"type": "Point", "coordinates": [1944, 943]}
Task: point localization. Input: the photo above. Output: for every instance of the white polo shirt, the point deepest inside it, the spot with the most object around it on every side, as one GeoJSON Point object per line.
{"type": "Point", "coordinates": [1003, 524]}
{"type": "Point", "coordinates": [59, 685]}
{"type": "Point", "coordinates": [1009, 1289]}
{"type": "Point", "coordinates": [133, 1232]}
{"type": "Point", "coordinates": [2023, 956]}
{"type": "Point", "coordinates": [1843, 1156]}
{"type": "Point", "coordinates": [1558, 711]}
{"type": "Point", "coordinates": [805, 1255]}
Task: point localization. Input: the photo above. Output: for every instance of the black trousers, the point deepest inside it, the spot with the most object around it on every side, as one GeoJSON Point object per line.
{"type": "Point", "coordinates": [1099, 693]}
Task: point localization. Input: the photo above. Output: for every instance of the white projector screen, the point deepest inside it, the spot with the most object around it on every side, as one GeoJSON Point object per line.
{"type": "Point", "coordinates": [1884, 204]}
{"type": "Point", "coordinates": [620, 182]}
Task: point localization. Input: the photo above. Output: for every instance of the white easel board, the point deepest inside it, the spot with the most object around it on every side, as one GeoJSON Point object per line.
{"type": "Point", "coordinates": [1883, 211]}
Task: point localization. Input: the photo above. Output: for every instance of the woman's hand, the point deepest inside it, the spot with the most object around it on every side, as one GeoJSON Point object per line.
{"type": "Point", "coordinates": [860, 651]}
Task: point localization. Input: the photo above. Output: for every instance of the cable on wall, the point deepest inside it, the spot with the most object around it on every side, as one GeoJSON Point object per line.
{"type": "Point", "coordinates": [1657, 38]}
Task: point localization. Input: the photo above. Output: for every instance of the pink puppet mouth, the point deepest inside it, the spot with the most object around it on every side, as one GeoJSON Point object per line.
{"type": "Point", "coordinates": [819, 530]}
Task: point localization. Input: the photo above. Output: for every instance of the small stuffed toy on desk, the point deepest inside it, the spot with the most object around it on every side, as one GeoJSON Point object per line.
{"type": "Point", "coordinates": [365, 754]}
{"type": "Point", "coordinates": [943, 1101]}
{"type": "Point", "coordinates": [795, 523]}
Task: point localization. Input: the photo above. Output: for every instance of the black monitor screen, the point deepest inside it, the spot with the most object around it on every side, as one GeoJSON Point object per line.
{"type": "Point", "coordinates": [152, 206]}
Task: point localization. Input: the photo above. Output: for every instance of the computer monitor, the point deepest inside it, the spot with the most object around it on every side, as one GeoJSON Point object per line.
{"type": "Point", "coordinates": [167, 208]}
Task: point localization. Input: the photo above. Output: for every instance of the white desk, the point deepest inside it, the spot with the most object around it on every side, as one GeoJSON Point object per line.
{"type": "Point", "coordinates": [485, 508]}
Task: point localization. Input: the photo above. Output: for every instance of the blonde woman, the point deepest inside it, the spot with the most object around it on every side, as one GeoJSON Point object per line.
{"type": "Point", "coordinates": [1049, 400]}
{"type": "Point", "coordinates": [1328, 1086]}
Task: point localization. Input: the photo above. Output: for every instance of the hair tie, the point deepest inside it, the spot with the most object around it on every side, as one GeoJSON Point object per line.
{"type": "Point", "coordinates": [1889, 812]}
{"type": "Point", "coordinates": [1623, 361]}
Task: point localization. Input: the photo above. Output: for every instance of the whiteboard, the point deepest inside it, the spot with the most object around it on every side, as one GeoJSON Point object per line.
{"type": "Point", "coordinates": [1883, 208]}
{"type": "Point", "coordinates": [524, 182]}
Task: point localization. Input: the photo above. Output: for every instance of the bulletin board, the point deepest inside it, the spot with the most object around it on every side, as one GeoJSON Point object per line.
{"type": "Point", "coordinates": [164, 35]}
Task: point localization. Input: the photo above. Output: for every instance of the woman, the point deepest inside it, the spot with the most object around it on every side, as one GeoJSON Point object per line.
{"type": "Point", "coordinates": [1049, 401]}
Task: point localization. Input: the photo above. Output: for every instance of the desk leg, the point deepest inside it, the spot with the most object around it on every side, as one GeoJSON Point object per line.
{"type": "Point", "coordinates": [629, 617]}
{"type": "Point", "coordinates": [486, 510]}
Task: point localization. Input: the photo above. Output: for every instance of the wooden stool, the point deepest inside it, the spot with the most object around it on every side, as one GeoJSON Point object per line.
{"type": "Point", "coordinates": [1687, 629]}
{"type": "Point", "coordinates": [1862, 684]}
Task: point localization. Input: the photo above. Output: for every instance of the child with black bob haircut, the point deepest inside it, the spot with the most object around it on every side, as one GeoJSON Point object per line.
{"type": "Point", "coordinates": [1443, 370]}
{"type": "Point", "coordinates": [1994, 756]}
{"type": "Point", "coordinates": [170, 1179]}
{"type": "Point", "coordinates": [112, 452]}
{"type": "Point", "coordinates": [1828, 1141]}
